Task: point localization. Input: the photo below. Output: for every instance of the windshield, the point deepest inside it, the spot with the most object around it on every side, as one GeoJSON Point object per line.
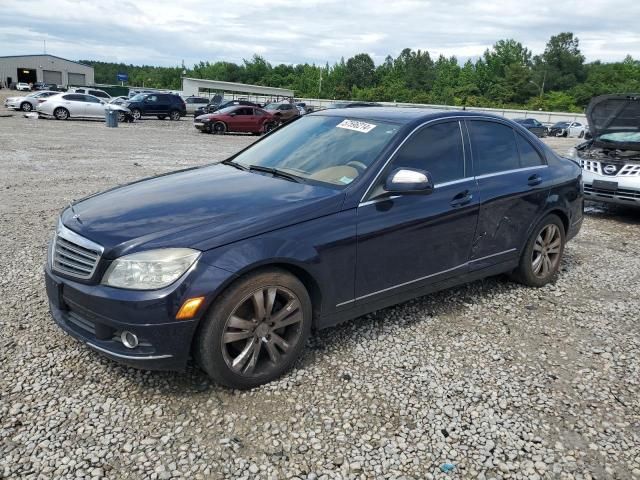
{"type": "Point", "coordinates": [561, 124]}
{"type": "Point", "coordinates": [624, 137]}
{"type": "Point", "coordinates": [332, 150]}
{"type": "Point", "coordinates": [271, 106]}
{"type": "Point", "coordinates": [138, 98]}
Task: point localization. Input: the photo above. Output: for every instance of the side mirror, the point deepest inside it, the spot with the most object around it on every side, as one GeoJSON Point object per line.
{"type": "Point", "coordinates": [409, 180]}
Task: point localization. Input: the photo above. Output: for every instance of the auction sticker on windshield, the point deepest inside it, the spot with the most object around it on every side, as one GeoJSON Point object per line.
{"type": "Point", "coordinates": [357, 126]}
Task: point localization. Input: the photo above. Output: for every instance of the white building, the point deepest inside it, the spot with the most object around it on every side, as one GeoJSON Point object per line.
{"type": "Point", "coordinates": [44, 68]}
{"type": "Point", "coordinates": [232, 90]}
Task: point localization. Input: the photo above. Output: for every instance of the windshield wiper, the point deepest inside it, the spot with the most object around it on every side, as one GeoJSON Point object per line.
{"type": "Point", "coordinates": [231, 163]}
{"type": "Point", "coordinates": [277, 173]}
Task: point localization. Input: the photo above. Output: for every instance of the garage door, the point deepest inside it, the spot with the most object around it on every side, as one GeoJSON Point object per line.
{"type": "Point", "coordinates": [49, 76]}
{"type": "Point", "coordinates": [76, 79]}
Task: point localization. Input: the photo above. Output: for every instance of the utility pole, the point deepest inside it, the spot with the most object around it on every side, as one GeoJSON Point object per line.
{"type": "Point", "coordinates": [45, 46]}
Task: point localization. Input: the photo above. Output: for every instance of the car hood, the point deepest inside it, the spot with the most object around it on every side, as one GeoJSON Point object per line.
{"type": "Point", "coordinates": [198, 208]}
{"type": "Point", "coordinates": [614, 114]}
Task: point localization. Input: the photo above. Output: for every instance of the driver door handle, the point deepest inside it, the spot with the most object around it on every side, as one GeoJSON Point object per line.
{"type": "Point", "coordinates": [462, 198]}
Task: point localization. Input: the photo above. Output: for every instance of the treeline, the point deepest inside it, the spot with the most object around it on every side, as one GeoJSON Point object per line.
{"type": "Point", "coordinates": [507, 75]}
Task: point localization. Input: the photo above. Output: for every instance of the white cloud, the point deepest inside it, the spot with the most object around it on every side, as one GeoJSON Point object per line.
{"type": "Point", "coordinates": [296, 31]}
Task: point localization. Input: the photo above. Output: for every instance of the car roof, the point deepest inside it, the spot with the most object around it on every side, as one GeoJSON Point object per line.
{"type": "Point", "coordinates": [399, 115]}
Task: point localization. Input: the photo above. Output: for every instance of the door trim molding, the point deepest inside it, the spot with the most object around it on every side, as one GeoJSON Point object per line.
{"type": "Point", "coordinates": [462, 265]}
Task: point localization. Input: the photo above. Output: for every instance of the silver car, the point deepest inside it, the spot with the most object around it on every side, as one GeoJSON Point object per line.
{"type": "Point", "coordinates": [29, 102]}
{"type": "Point", "coordinates": [78, 105]}
{"type": "Point", "coordinates": [193, 103]}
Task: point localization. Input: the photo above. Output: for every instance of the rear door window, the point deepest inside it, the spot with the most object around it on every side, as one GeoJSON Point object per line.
{"type": "Point", "coordinates": [494, 147]}
{"type": "Point", "coordinates": [529, 156]}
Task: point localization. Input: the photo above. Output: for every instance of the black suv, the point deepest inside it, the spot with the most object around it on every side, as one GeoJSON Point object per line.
{"type": "Point", "coordinates": [161, 105]}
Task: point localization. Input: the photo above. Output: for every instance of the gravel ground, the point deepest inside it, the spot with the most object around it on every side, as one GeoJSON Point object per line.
{"type": "Point", "coordinates": [489, 380]}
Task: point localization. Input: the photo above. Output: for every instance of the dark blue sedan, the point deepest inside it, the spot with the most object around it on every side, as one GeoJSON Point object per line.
{"type": "Point", "coordinates": [340, 213]}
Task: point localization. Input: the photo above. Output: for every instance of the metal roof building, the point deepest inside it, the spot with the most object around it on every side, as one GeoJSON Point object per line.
{"type": "Point", "coordinates": [193, 86]}
{"type": "Point", "coordinates": [44, 68]}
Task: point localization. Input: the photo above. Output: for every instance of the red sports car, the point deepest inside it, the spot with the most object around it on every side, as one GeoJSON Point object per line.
{"type": "Point", "coordinates": [238, 118]}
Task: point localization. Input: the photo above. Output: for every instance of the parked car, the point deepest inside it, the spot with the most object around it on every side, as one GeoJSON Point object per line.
{"type": "Point", "coordinates": [93, 91]}
{"type": "Point", "coordinates": [119, 100]}
{"type": "Point", "coordinates": [193, 103]}
{"type": "Point", "coordinates": [238, 118]}
{"type": "Point", "coordinates": [534, 126]}
{"type": "Point", "coordinates": [29, 102]}
{"type": "Point", "coordinates": [283, 111]}
{"type": "Point", "coordinates": [610, 160]}
{"type": "Point", "coordinates": [352, 105]}
{"type": "Point", "coordinates": [23, 87]}
{"type": "Point", "coordinates": [567, 129]}
{"type": "Point", "coordinates": [63, 106]}
{"type": "Point", "coordinates": [213, 106]}
{"type": "Point", "coordinates": [161, 105]}
{"type": "Point", "coordinates": [332, 216]}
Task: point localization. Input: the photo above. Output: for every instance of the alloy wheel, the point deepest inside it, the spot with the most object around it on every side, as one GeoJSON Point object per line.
{"type": "Point", "coordinates": [26, 107]}
{"type": "Point", "coordinates": [136, 114]}
{"type": "Point", "coordinates": [263, 328]}
{"type": "Point", "coordinates": [546, 251]}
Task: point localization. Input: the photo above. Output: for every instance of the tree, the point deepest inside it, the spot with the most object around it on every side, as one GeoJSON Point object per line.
{"type": "Point", "coordinates": [360, 71]}
{"type": "Point", "coordinates": [561, 66]}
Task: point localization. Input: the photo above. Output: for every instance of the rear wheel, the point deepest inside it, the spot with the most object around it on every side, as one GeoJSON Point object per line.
{"type": "Point", "coordinates": [269, 126]}
{"type": "Point", "coordinates": [26, 107]}
{"type": "Point", "coordinates": [541, 257]}
{"type": "Point", "coordinates": [219, 127]}
{"type": "Point", "coordinates": [174, 115]}
{"type": "Point", "coordinates": [256, 330]}
{"type": "Point", "coordinates": [61, 113]}
{"type": "Point", "coordinates": [137, 114]}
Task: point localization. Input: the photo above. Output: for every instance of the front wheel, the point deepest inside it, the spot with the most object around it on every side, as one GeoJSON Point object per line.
{"type": "Point", "coordinates": [121, 117]}
{"type": "Point", "coordinates": [26, 107]}
{"type": "Point", "coordinates": [137, 114]}
{"type": "Point", "coordinates": [256, 329]}
{"type": "Point", "coordinates": [219, 127]}
{"type": "Point", "coordinates": [541, 257]}
{"type": "Point", "coordinates": [61, 113]}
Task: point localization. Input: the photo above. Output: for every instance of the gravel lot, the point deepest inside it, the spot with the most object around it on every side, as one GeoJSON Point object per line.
{"type": "Point", "coordinates": [497, 380]}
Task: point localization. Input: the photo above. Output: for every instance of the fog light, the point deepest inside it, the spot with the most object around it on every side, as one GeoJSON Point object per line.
{"type": "Point", "coordinates": [189, 308]}
{"type": "Point", "coordinates": [129, 339]}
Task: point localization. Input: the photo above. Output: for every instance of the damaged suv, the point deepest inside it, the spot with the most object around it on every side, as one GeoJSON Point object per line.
{"type": "Point", "coordinates": [611, 159]}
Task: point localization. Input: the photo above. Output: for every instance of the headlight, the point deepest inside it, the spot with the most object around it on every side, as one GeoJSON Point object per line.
{"type": "Point", "coordinates": [150, 270]}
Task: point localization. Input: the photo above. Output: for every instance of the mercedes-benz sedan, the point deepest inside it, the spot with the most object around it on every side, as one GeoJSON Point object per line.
{"type": "Point", "coordinates": [340, 213]}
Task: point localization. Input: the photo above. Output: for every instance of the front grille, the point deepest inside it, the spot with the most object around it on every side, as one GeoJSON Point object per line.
{"type": "Point", "coordinates": [627, 170]}
{"type": "Point", "coordinates": [74, 255]}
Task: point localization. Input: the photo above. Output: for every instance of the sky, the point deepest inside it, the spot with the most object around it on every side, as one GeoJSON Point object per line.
{"type": "Point", "coordinates": [159, 32]}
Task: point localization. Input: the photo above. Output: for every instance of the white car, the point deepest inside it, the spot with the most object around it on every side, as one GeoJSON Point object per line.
{"type": "Point", "coordinates": [23, 87]}
{"type": "Point", "coordinates": [610, 160]}
{"type": "Point", "coordinates": [77, 105]}
{"type": "Point", "coordinates": [92, 91]}
{"type": "Point", "coordinates": [29, 102]}
{"type": "Point", "coordinates": [568, 129]}
{"type": "Point", "coordinates": [193, 103]}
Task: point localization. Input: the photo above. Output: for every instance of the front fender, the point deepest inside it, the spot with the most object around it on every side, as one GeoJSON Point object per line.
{"type": "Point", "coordinates": [324, 248]}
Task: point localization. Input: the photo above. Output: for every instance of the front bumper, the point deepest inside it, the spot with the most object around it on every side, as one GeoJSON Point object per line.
{"type": "Point", "coordinates": [620, 190]}
{"type": "Point", "coordinates": [97, 315]}
{"type": "Point", "coordinates": [202, 126]}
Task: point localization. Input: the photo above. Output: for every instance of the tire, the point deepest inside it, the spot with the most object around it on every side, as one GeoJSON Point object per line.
{"type": "Point", "coordinates": [61, 113]}
{"type": "Point", "coordinates": [268, 127]}
{"type": "Point", "coordinates": [219, 127]}
{"type": "Point", "coordinates": [121, 117]}
{"type": "Point", "coordinates": [26, 107]}
{"type": "Point", "coordinates": [581, 134]}
{"type": "Point", "coordinates": [161, 117]}
{"type": "Point", "coordinates": [565, 134]}
{"type": "Point", "coordinates": [174, 115]}
{"type": "Point", "coordinates": [137, 114]}
{"type": "Point", "coordinates": [230, 335]}
{"type": "Point", "coordinates": [547, 239]}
